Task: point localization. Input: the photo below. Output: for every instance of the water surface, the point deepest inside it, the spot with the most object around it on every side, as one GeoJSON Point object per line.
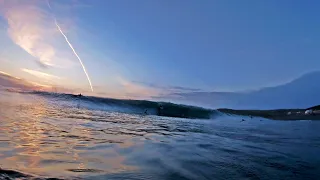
{"type": "Point", "coordinates": [51, 137]}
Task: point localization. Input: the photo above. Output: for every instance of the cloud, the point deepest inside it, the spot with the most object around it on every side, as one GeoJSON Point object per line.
{"type": "Point", "coordinates": [40, 85]}
{"type": "Point", "coordinates": [171, 89]}
{"type": "Point", "coordinates": [4, 73]}
{"type": "Point", "coordinates": [135, 90]}
{"type": "Point", "coordinates": [28, 27]}
{"type": "Point", "coordinates": [141, 90]}
{"type": "Point", "coordinates": [41, 75]}
{"type": "Point", "coordinates": [9, 75]}
{"type": "Point", "coordinates": [302, 92]}
{"type": "Point", "coordinates": [11, 82]}
{"type": "Point", "coordinates": [179, 88]}
{"type": "Point", "coordinates": [32, 28]}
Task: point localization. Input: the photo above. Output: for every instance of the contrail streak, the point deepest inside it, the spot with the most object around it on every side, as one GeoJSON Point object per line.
{"type": "Point", "coordinates": [49, 4]}
{"type": "Point", "coordinates": [70, 45]}
{"type": "Point", "coordinates": [75, 53]}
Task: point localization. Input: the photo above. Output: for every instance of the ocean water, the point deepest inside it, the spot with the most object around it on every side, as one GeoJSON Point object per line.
{"type": "Point", "coordinates": [50, 136]}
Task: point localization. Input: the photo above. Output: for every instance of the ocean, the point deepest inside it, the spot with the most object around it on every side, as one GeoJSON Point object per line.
{"type": "Point", "coordinates": [49, 135]}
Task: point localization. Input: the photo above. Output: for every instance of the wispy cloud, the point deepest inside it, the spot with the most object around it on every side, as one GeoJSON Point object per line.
{"type": "Point", "coordinates": [40, 85]}
{"type": "Point", "coordinates": [127, 89]}
{"type": "Point", "coordinates": [4, 73]}
{"type": "Point", "coordinates": [28, 27]}
{"type": "Point", "coordinates": [171, 89]}
{"type": "Point", "coordinates": [7, 74]}
{"type": "Point", "coordinates": [135, 90]}
{"type": "Point", "coordinates": [41, 75]}
{"type": "Point", "coordinates": [31, 27]}
{"type": "Point", "coordinates": [9, 81]}
{"type": "Point", "coordinates": [180, 88]}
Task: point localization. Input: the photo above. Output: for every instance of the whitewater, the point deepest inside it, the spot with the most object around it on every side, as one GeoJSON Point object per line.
{"type": "Point", "coordinates": [49, 135]}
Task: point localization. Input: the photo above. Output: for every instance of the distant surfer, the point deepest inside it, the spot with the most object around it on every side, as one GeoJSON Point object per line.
{"type": "Point", "coordinates": [78, 95]}
{"type": "Point", "coordinates": [160, 108]}
{"type": "Point", "coordinates": [146, 111]}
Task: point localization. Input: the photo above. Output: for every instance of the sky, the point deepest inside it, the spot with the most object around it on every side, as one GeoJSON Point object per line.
{"type": "Point", "coordinates": [147, 48]}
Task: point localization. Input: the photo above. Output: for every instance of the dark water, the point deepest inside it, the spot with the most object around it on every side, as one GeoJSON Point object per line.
{"type": "Point", "coordinates": [45, 137]}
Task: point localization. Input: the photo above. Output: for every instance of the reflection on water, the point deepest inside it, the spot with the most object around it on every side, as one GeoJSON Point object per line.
{"type": "Point", "coordinates": [45, 137]}
{"type": "Point", "coordinates": [38, 139]}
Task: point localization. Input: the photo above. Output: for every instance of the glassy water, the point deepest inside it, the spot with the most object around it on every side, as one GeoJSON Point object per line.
{"type": "Point", "coordinates": [43, 137]}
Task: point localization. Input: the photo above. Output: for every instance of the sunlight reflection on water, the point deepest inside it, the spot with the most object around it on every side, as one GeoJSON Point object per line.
{"type": "Point", "coordinates": [50, 138]}
{"type": "Point", "coordinates": [32, 143]}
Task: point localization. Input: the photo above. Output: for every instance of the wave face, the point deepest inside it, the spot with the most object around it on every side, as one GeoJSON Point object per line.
{"type": "Point", "coordinates": [134, 106]}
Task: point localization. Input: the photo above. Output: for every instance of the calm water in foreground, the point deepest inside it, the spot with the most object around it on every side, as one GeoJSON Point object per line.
{"type": "Point", "coordinates": [46, 137]}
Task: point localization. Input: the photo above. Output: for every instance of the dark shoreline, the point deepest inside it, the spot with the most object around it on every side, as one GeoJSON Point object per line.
{"type": "Point", "coordinates": [277, 114]}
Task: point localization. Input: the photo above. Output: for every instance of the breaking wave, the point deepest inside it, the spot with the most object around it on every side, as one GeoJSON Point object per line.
{"type": "Point", "coordinates": [134, 106]}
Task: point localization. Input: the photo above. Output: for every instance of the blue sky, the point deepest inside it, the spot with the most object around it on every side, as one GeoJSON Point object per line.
{"type": "Point", "coordinates": [127, 45]}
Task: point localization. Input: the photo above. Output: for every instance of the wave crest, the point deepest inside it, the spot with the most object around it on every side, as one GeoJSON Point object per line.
{"type": "Point", "coordinates": [139, 106]}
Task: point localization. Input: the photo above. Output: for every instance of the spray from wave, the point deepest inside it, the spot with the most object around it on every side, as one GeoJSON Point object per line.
{"type": "Point", "coordinates": [70, 45]}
